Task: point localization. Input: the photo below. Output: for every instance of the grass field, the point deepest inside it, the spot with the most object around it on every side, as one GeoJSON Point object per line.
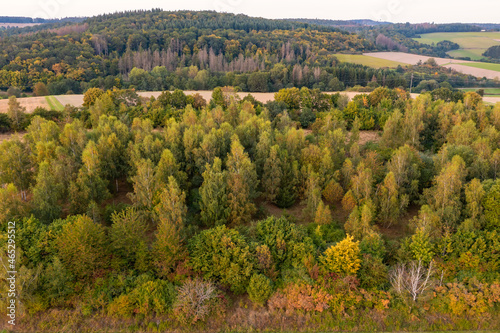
{"type": "Point", "coordinates": [54, 103]}
{"type": "Point", "coordinates": [368, 61]}
{"type": "Point", "coordinates": [472, 44]}
{"type": "Point", "coordinates": [483, 65]}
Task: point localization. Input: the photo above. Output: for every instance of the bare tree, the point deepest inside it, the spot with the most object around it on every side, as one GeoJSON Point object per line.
{"type": "Point", "coordinates": [413, 278]}
{"type": "Point", "coordinates": [193, 299]}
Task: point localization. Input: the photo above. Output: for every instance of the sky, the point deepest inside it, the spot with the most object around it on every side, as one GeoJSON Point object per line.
{"type": "Point", "coordinates": [414, 11]}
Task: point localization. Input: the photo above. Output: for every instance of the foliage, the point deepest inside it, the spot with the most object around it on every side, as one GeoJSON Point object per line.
{"type": "Point", "coordinates": [259, 289]}
{"type": "Point", "coordinates": [223, 255]}
{"type": "Point", "coordinates": [343, 258]}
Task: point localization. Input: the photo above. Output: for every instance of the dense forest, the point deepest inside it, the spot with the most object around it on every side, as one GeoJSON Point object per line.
{"type": "Point", "coordinates": [178, 213]}
{"type": "Point", "coordinates": [156, 50]}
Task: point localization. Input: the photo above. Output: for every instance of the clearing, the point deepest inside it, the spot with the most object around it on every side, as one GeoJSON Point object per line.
{"type": "Point", "coordinates": [368, 60]}
{"type": "Point", "coordinates": [472, 44]}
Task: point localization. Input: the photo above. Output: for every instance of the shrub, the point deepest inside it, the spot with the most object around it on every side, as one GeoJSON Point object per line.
{"type": "Point", "coordinates": [155, 296]}
{"type": "Point", "coordinates": [14, 91]}
{"type": "Point", "coordinates": [300, 297]}
{"type": "Point", "coordinates": [260, 289]}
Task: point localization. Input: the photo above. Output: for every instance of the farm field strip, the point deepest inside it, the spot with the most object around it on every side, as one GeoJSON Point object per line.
{"type": "Point", "coordinates": [472, 44]}
{"type": "Point", "coordinates": [484, 65]}
{"type": "Point", "coordinates": [368, 60]}
{"type": "Point", "coordinates": [458, 65]}
{"type": "Point", "coordinates": [77, 100]}
{"type": "Point", "coordinates": [54, 103]}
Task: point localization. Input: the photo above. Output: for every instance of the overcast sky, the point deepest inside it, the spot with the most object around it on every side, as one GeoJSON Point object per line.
{"type": "Point", "coordinates": [439, 11]}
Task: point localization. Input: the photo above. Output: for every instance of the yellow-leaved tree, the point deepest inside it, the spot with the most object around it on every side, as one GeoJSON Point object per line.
{"type": "Point", "coordinates": [344, 257]}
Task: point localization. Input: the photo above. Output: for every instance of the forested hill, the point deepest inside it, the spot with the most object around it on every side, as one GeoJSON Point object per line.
{"type": "Point", "coordinates": [108, 47]}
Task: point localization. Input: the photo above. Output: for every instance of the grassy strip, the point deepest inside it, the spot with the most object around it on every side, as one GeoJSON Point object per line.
{"type": "Point", "coordinates": [54, 103]}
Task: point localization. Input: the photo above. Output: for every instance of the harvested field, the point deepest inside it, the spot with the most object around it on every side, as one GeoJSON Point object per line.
{"type": "Point", "coordinates": [484, 65]}
{"type": "Point", "coordinates": [77, 100]}
{"type": "Point", "coordinates": [458, 65]}
{"type": "Point", "coordinates": [30, 103]}
{"type": "Point", "coordinates": [411, 59]}
{"type": "Point", "coordinates": [478, 72]}
{"type": "Point", "coordinates": [17, 25]}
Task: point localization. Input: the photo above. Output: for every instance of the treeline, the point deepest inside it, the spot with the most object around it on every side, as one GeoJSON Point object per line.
{"type": "Point", "coordinates": [158, 214]}
{"type": "Point", "coordinates": [114, 44]}
{"type": "Point", "coordinates": [22, 19]}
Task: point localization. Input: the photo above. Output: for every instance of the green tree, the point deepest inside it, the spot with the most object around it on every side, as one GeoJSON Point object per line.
{"type": "Point", "coordinates": [223, 255]}
{"type": "Point", "coordinates": [171, 211]}
{"type": "Point", "coordinates": [82, 246]}
{"type": "Point", "coordinates": [144, 185]}
{"type": "Point", "coordinates": [491, 204]}
{"type": "Point", "coordinates": [242, 184]}
{"type": "Point", "coordinates": [15, 166]}
{"type": "Point", "coordinates": [16, 113]}
{"type": "Point", "coordinates": [213, 192]}
{"type": "Point", "coordinates": [129, 238]}
{"type": "Point", "coordinates": [259, 289]}
{"type": "Point", "coordinates": [271, 178]}
{"type": "Point", "coordinates": [391, 204]}
{"type": "Point", "coordinates": [89, 187]}
{"type": "Point", "coordinates": [46, 194]}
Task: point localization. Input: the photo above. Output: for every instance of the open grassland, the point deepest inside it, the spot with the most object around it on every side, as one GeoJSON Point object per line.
{"type": "Point", "coordinates": [474, 54]}
{"type": "Point", "coordinates": [368, 61]}
{"type": "Point", "coordinates": [54, 103]}
{"type": "Point", "coordinates": [472, 44]}
{"type": "Point", "coordinates": [484, 65]}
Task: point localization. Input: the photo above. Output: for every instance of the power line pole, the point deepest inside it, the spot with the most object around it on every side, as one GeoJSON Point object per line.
{"type": "Point", "coordinates": [411, 83]}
